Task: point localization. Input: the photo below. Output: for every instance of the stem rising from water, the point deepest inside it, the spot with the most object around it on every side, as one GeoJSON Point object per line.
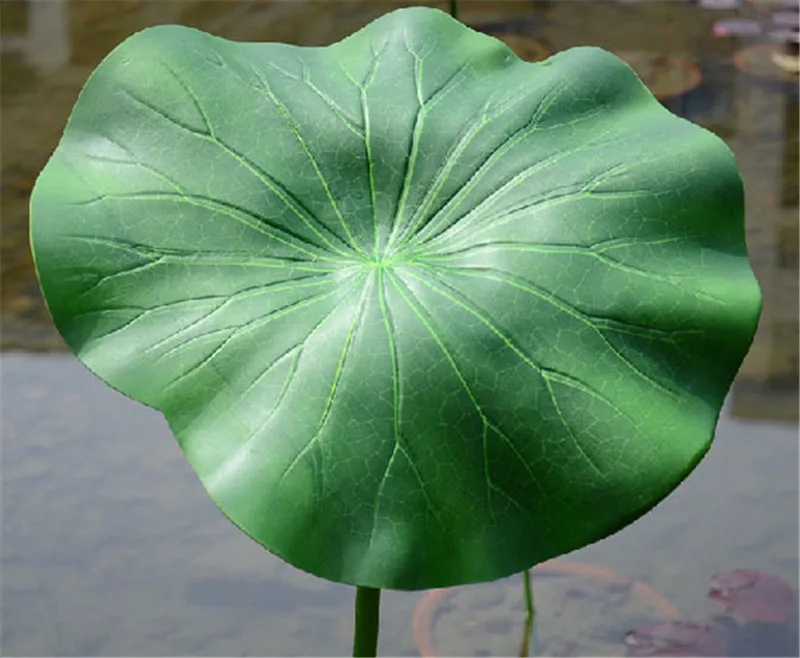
{"type": "Point", "coordinates": [527, 631]}
{"type": "Point", "coordinates": [454, 9]}
{"type": "Point", "coordinates": [368, 614]}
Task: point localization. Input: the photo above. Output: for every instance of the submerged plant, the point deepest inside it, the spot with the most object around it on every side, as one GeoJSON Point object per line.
{"type": "Point", "coordinates": [764, 601]}
{"type": "Point", "coordinates": [418, 313]}
{"type": "Point", "coordinates": [753, 595]}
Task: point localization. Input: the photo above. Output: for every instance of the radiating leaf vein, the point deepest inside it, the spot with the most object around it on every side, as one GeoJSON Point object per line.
{"type": "Point", "coordinates": [357, 318]}
{"type": "Point", "coordinates": [561, 305]}
{"type": "Point", "coordinates": [292, 203]}
{"type": "Point", "coordinates": [238, 330]}
{"type": "Point", "coordinates": [295, 130]}
{"type": "Point", "coordinates": [341, 114]}
{"type": "Point", "coordinates": [417, 226]}
{"type": "Point", "coordinates": [272, 287]}
{"type": "Point", "coordinates": [453, 296]}
{"type": "Point", "coordinates": [427, 321]}
{"type": "Point", "coordinates": [240, 214]}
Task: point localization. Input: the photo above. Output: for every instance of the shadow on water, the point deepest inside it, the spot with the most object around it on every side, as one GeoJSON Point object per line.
{"type": "Point", "coordinates": [110, 546]}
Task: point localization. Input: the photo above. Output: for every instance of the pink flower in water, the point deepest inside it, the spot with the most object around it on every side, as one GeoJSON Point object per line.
{"type": "Point", "coordinates": [753, 595]}
{"type": "Point", "coordinates": [675, 638]}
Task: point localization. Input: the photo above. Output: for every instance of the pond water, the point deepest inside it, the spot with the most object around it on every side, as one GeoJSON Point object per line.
{"type": "Point", "coordinates": [110, 545]}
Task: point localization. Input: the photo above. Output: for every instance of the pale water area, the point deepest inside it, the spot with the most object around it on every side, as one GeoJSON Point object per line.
{"type": "Point", "coordinates": [112, 548]}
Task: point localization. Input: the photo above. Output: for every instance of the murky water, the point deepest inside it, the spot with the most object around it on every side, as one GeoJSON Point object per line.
{"type": "Point", "coordinates": [111, 547]}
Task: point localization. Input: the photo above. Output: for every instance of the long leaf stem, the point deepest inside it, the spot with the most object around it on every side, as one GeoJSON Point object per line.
{"type": "Point", "coordinates": [527, 638]}
{"type": "Point", "coordinates": [454, 9]}
{"type": "Point", "coordinates": [528, 594]}
{"type": "Point", "coordinates": [527, 632]}
{"type": "Point", "coordinates": [368, 614]}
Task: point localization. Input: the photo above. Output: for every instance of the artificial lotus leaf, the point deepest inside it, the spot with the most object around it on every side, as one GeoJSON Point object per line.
{"type": "Point", "coordinates": [419, 313]}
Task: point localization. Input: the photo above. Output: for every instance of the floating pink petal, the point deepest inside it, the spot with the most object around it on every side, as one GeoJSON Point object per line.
{"type": "Point", "coordinates": [675, 638]}
{"type": "Point", "coordinates": [753, 595]}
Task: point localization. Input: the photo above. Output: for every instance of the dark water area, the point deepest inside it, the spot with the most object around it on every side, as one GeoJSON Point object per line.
{"type": "Point", "coordinates": [109, 544]}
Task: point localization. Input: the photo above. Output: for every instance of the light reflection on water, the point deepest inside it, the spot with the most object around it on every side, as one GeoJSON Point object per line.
{"type": "Point", "coordinates": [111, 547]}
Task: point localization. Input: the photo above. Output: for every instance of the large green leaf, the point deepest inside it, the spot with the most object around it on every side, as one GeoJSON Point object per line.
{"type": "Point", "coordinates": [419, 313]}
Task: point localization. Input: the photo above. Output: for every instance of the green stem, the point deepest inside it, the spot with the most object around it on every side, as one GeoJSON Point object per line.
{"type": "Point", "coordinates": [528, 595]}
{"type": "Point", "coordinates": [527, 633]}
{"type": "Point", "coordinates": [527, 637]}
{"type": "Point", "coordinates": [454, 9]}
{"type": "Point", "coordinates": [368, 614]}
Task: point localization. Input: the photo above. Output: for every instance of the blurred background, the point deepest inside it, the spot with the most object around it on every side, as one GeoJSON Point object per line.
{"type": "Point", "coordinates": [109, 544]}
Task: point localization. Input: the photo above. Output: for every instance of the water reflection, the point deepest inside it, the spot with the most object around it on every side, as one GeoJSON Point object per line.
{"type": "Point", "coordinates": [50, 47]}
{"type": "Point", "coordinates": [46, 44]}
